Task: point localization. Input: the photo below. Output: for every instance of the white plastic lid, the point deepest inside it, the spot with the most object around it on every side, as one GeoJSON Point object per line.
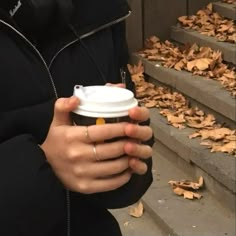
{"type": "Point", "coordinates": [104, 101]}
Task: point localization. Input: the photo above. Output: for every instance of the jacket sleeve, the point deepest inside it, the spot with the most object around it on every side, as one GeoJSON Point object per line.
{"type": "Point", "coordinates": [31, 197]}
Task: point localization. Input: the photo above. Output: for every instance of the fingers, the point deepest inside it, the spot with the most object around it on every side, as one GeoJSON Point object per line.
{"type": "Point", "coordinates": [138, 150]}
{"type": "Point", "coordinates": [138, 166]}
{"type": "Point", "coordinates": [142, 133]}
{"type": "Point", "coordinates": [62, 108]}
{"type": "Point", "coordinates": [103, 185]}
{"type": "Point", "coordinates": [102, 169]}
{"type": "Point", "coordinates": [139, 114]}
{"type": "Point", "coordinates": [98, 133]}
{"type": "Point", "coordinates": [120, 85]}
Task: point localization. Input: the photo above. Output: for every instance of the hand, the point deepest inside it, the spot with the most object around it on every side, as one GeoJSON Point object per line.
{"type": "Point", "coordinates": [70, 151]}
{"type": "Point", "coordinates": [141, 133]}
{"type": "Point", "coordinates": [138, 114]}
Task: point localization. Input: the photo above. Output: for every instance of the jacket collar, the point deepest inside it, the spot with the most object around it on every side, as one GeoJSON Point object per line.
{"type": "Point", "coordinates": [90, 15]}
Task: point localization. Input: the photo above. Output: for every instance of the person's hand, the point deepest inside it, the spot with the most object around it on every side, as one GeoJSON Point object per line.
{"type": "Point", "coordinates": [140, 133]}
{"type": "Point", "coordinates": [86, 168]}
{"type": "Point", "coordinates": [139, 115]}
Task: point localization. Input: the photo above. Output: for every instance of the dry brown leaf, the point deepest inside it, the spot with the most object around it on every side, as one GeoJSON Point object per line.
{"type": "Point", "coordinates": [200, 64]}
{"type": "Point", "coordinates": [126, 223]}
{"type": "Point", "coordinates": [227, 148]}
{"type": "Point", "coordinates": [194, 135]}
{"type": "Point", "coordinates": [137, 210]}
{"type": "Point", "coordinates": [186, 184]}
{"type": "Point", "coordinates": [187, 194]}
{"type": "Point", "coordinates": [215, 134]}
{"type": "Point", "coordinates": [172, 119]}
{"type": "Point", "coordinates": [229, 1]}
{"type": "Point", "coordinates": [210, 23]}
{"type": "Point", "coordinates": [151, 104]}
{"type": "Point", "coordinates": [183, 188]}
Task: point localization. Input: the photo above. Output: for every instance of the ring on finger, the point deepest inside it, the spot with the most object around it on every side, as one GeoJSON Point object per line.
{"type": "Point", "coordinates": [87, 134]}
{"type": "Point", "coordinates": [95, 152]}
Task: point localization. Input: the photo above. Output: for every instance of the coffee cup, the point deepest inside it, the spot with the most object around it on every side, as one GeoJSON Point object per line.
{"type": "Point", "coordinates": [102, 104]}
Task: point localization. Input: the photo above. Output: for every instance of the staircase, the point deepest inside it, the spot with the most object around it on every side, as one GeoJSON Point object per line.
{"type": "Point", "coordinates": [176, 157]}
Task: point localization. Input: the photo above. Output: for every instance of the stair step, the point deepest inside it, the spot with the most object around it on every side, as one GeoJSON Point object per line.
{"type": "Point", "coordinates": [131, 226]}
{"type": "Point", "coordinates": [218, 169]}
{"type": "Point", "coordinates": [190, 36]}
{"type": "Point", "coordinates": [226, 10]}
{"type": "Point", "coordinates": [181, 217]}
{"type": "Point", "coordinates": [207, 94]}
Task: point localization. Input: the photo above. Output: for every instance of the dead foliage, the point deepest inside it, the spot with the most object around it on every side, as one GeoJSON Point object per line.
{"type": "Point", "coordinates": [176, 109]}
{"type": "Point", "coordinates": [210, 23]}
{"type": "Point", "coordinates": [187, 188]}
{"type": "Point", "coordinates": [229, 1]}
{"type": "Point", "coordinates": [202, 61]}
{"type": "Point", "coordinates": [137, 210]}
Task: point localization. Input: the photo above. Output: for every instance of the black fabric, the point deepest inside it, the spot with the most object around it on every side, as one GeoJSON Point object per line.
{"type": "Point", "coordinates": [32, 199]}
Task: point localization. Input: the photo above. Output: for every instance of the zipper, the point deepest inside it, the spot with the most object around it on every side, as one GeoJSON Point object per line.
{"type": "Point", "coordinates": [123, 76]}
{"type": "Point", "coordinates": [36, 50]}
{"type": "Point", "coordinates": [88, 34]}
{"type": "Point", "coordinates": [56, 95]}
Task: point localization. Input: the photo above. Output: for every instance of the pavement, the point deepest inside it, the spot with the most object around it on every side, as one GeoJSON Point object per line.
{"type": "Point", "coordinates": [167, 214]}
{"type": "Point", "coordinates": [131, 226]}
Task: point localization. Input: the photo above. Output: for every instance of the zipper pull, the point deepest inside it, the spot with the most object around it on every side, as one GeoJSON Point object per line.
{"type": "Point", "coordinates": [123, 76]}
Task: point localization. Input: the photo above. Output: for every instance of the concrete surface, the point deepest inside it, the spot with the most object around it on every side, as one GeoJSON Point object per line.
{"type": "Point", "coordinates": [204, 217]}
{"type": "Point", "coordinates": [207, 92]}
{"type": "Point", "coordinates": [131, 226]}
{"type": "Point", "coordinates": [167, 214]}
{"type": "Point", "coordinates": [226, 10]}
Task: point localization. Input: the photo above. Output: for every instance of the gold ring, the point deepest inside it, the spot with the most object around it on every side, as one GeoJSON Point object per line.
{"type": "Point", "coordinates": [87, 134]}
{"type": "Point", "coordinates": [95, 153]}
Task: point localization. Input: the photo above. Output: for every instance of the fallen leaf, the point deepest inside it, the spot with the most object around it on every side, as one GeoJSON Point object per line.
{"type": "Point", "coordinates": [215, 134]}
{"type": "Point", "coordinates": [175, 119]}
{"type": "Point", "coordinates": [126, 223]}
{"type": "Point", "coordinates": [200, 64]}
{"type": "Point", "coordinates": [187, 194]}
{"type": "Point", "coordinates": [137, 210]}
{"type": "Point", "coordinates": [186, 184]}
{"type": "Point", "coordinates": [227, 148]}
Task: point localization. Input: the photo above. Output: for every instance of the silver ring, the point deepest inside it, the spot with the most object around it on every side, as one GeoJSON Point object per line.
{"type": "Point", "coordinates": [95, 153]}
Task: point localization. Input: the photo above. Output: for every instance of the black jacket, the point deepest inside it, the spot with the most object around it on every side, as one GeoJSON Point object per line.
{"type": "Point", "coordinates": [33, 73]}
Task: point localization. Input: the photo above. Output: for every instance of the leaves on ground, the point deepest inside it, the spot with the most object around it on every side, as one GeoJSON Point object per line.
{"type": "Point", "coordinates": [229, 1]}
{"type": "Point", "coordinates": [187, 188]}
{"type": "Point", "coordinates": [211, 23]}
{"type": "Point", "coordinates": [179, 114]}
{"type": "Point", "coordinates": [202, 61]}
{"type": "Point", "coordinates": [136, 210]}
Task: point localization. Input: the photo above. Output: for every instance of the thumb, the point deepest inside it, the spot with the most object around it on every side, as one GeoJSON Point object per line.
{"type": "Point", "coordinates": [62, 109]}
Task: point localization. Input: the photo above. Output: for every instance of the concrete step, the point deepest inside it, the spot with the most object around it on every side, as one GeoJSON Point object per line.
{"type": "Point", "coordinates": [226, 10]}
{"type": "Point", "coordinates": [218, 169]}
{"type": "Point", "coordinates": [190, 36]}
{"type": "Point", "coordinates": [145, 225]}
{"type": "Point", "coordinates": [176, 215]}
{"type": "Point", "coordinates": [205, 93]}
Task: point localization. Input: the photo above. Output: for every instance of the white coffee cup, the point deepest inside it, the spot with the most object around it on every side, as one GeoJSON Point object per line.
{"type": "Point", "coordinates": [102, 104]}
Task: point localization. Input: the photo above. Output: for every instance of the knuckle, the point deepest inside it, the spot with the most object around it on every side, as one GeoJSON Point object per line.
{"type": "Point", "coordinates": [79, 171]}
{"type": "Point", "coordinates": [69, 137]}
{"type": "Point", "coordinates": [72, 155]}
{"type": "Point", "coordinates": [83, 187]}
